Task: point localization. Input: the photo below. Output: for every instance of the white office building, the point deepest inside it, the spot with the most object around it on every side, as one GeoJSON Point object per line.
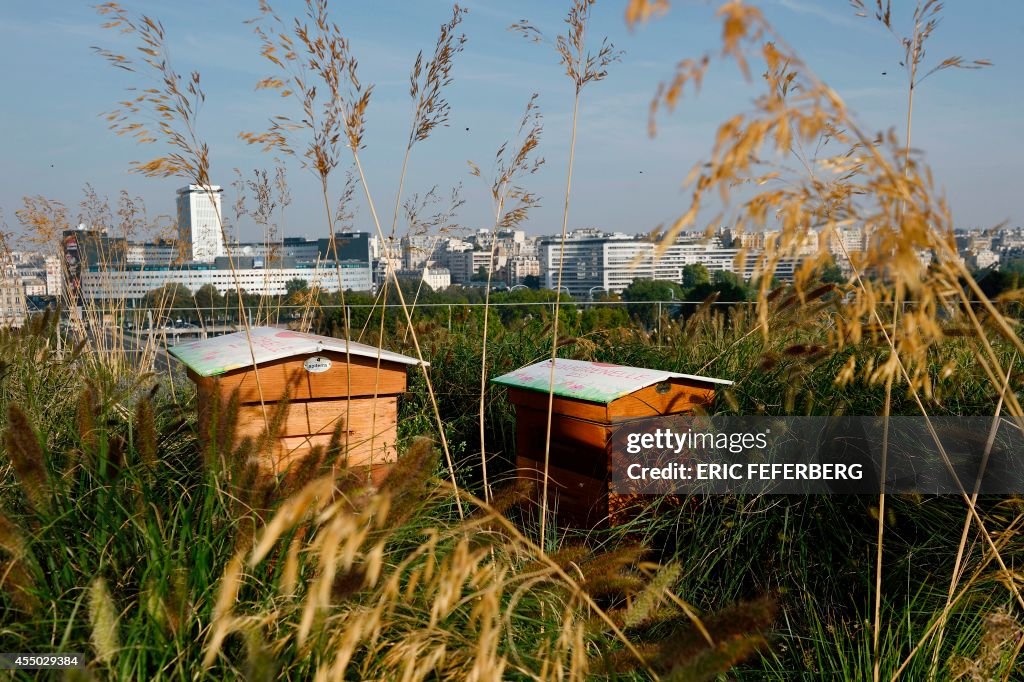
{"type": "Point", "coordinates": [610, 263]}
{"type": "Point", "coordinates": [711, 254]}
{"type": "Point", "coordinates": [134, 282]}
{"type": "Point", "coordinates": [199, 222]}
{"type": "Point", "coordinates": [156, 253]}
{"type": "Point", "coordinates": [595, 263]}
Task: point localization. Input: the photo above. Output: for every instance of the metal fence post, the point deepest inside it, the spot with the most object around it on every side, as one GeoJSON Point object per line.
{"type": "Point", "coordinates": [659, 323]}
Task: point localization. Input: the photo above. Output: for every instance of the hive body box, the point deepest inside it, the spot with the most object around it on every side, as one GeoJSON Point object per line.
{"type": "Point", "coordinates": [591, 401]}
{"type": "Point", "coordinates": [325, 385]}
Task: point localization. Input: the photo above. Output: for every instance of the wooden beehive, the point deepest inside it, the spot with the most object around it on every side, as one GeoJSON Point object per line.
{"type": "Point", "coordinates": [591, 400]}
{"type": "Point", "coordinates": [327, 383]}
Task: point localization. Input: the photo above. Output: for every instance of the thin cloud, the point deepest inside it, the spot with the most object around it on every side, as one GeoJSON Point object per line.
{"type": "Point", "coordinates": [836, 18]}
{"type": "Point", "coordinates": [48, 28]}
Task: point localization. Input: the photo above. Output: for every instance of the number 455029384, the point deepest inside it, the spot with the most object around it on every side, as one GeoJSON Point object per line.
{"type": "Point", "coordinates": [41, 661]}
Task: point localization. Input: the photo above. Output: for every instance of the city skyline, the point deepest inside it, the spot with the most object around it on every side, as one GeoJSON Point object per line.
{"type": "Point", "coordinates": [966, 121]}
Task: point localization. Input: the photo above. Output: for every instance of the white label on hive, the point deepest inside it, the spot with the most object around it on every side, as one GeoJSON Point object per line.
{"type": "Point", "coordinates": [317, 364]}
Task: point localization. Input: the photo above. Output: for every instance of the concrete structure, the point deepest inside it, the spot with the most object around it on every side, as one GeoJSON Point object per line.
{"type": "Point", "coordinates": [716, 258]}
{"type": "Point", "coordinates": [417, 251]}
{"type": "Point", "coordinates": [53, 276]}
{"type": "Point", "coordinates": [848, 241]}
{"type": "Point", "coordinates": [99, 267]}
{"type": "Point", "coordinates": [33, 286]}
{"type": "Point", "coordinates": [980, 259]}
{"type": "Point", "coordinates": [162, 252]}
{"type": "Point", "coordinates": [39, 275]}
{"type": "Point", "coordinates": [200, 222]}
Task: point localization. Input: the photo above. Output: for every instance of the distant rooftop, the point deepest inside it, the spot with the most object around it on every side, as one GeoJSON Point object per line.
{"type": "Point", "coordinates": [200, 188]}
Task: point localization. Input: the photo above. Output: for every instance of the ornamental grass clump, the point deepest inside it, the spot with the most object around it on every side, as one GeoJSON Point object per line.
{"type": "Point", "coordinates": [476, 600]}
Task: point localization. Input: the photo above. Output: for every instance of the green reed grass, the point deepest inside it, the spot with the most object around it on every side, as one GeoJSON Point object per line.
{"type": "Point", "coordinates": [149, 541]}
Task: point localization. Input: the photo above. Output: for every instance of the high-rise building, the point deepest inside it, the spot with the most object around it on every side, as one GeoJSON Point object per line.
{"type": "Point", "coordinates": [12, 295]}
{"type": "Point", "coordinates": [347, 246]}
{"type": "Point", "coordinates": [595, 261]}
{"type": "Point", "coordinates": [54, 277]}
{"type": "Point", "coordinates": [85, 249]}
{"type": "Point", "coordinates": [199, 222]}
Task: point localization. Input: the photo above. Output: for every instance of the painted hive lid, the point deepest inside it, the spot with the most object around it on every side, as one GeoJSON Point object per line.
{"type": "Point", "coordinates": [210, 357]}
{"type": "Point", "coordinates": [598, 382]}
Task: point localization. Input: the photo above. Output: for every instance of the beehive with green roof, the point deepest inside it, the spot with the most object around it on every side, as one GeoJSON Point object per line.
{"type": "Point", "coordinates": [589, 400]}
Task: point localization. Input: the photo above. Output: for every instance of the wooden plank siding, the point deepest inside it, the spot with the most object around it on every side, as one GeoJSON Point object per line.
{"type": "Point", "coordinates": [322, 416]}
{"type": "Point", "coordinates": [672, 397]}
{"type": "Point", "coordinates": [317, 402]}
{"type": "Point", "coordinates": [573, 496]}
{"type": "Point", "coordinates": [371, 434]}
{"type": "Point", "coordinates": [287, 376]}
{"type": "Point", "coordinates": [579, 463]}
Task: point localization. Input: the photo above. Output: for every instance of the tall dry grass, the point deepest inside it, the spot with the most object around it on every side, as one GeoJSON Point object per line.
{"type": "Point", "coordinates": [166, 114]}
{"type": "Point", "coordinates": [925, 20]}
{"type": "Point", "coordinates": [457, 603]}
{"type": "Point", "coordinates": [178, 560]}
{"type": "Point", "coordinates": [582, 67]}
{"type": "Point", "coordinates": [871, 181]}
{"type": "Point", "coordinates": [338, 114]}
{"type": "Point", "coordinates": [511, 205]}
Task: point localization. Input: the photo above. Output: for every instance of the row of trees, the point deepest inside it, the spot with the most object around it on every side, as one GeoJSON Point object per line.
{"type": "Point", "coordinates": [1009, 277]}
{"type": "Point", "coordinates": [209, 305]}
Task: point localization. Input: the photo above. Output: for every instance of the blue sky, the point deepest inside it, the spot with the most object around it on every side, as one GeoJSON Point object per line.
{"type": "Point", "coordinates": [968, 123]}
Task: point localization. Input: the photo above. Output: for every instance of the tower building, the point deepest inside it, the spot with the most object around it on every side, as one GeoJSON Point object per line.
{"type": "Point", "coordinates": [199, 222]}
